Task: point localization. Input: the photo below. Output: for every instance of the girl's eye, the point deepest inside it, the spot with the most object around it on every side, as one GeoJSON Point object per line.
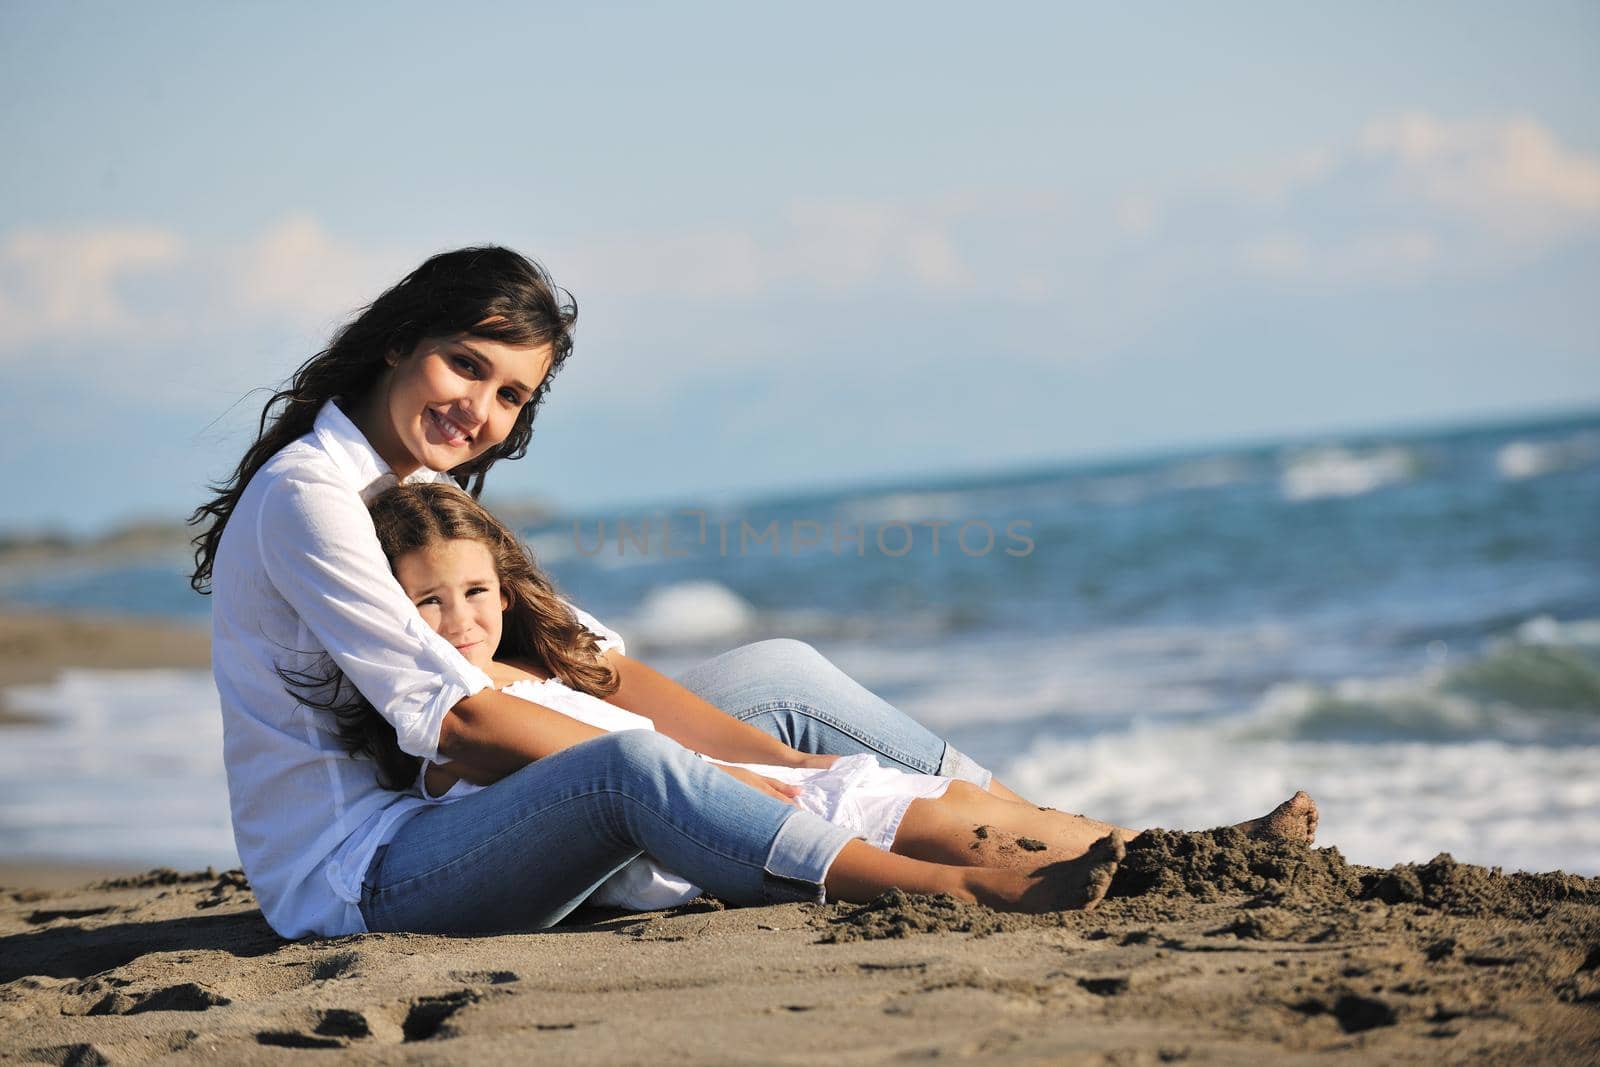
{"type": "Point", "coordinates": [427, 601]}
{"type": "Point", "coordinates": [510, 397]}
{"type": "Point", "coordinates": [465, 364]}
{"type": "Point", "coordinates": [475, 590]}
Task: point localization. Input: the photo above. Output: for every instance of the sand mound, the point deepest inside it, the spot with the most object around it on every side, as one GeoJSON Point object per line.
{"type": "Point", "coordinates": [1224, 862]}
{"type": "Point", "coordinates": [1462, 889]}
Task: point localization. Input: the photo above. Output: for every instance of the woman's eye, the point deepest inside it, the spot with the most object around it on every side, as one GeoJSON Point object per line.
{"type": "Point", "coordinates": [510, 396]}
{"type": "Point", "coordinates": [464, 364]}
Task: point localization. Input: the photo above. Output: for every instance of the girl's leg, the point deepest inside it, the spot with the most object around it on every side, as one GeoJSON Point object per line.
{"type": "Point", "coordinates": [861, 873]}
{"type": "Point", "coordinates": [789, 690]}
{"type": "Point", "coordinates": [968, 825]}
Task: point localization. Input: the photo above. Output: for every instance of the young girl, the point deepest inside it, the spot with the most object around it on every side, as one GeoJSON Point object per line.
{"type": "Point", "coordinates": [475, 585]}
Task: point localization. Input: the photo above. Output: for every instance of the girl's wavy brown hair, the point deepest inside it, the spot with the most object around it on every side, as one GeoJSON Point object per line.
{"type": "Point", "coordinates": [540, 630]}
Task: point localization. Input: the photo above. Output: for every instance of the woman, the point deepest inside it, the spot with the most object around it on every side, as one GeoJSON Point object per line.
{"type": "Point", "coordinates": [443, 373]}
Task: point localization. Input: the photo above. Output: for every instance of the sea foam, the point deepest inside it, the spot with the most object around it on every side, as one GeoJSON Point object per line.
{"type": "Point", "coordinates": [1530, 459]}
{"type": "Point", "coordinates": [1494, 758]}
{"type": "Point", "coordinates": [1339, 472]}
{"type": "Point", "coordinates": [122, 766]}
{"type": "Point", "coordinates": [689, 613]}
{"type": "Point", "coordinates": [1518, 806]}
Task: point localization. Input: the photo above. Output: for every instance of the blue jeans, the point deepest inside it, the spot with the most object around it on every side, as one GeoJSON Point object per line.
{"type": "Point", "coordinates": [789, 690]}
{"type": "Point", "coordinates": [525, 852]}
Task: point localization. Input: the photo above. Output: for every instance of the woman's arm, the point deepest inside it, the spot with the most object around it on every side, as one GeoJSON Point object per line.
{"type": "Point", "coordinates": [493, 734]}
{"type": "Point", "coordinates": [318, 549]}
{"type": "Point", "coordinates": [697, 724]}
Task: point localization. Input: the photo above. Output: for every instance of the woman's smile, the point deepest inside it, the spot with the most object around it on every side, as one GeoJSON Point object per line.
{"type": "Point", "coordinates": [454, 432]}
{"type": "Point", "coordinates": [450, 400]}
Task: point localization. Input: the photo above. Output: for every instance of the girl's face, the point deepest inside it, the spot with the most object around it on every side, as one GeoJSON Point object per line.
{"type": "Point", "coordinates": [449, 401]}
{"type": "Point", "coordinates": [457, 591]}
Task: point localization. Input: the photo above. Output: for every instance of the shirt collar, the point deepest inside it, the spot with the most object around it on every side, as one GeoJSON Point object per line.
{"type": "Point", "coordinates": [357, 459]}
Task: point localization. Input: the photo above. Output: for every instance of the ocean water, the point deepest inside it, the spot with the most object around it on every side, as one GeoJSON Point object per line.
{"type": "Point", "coordinates": [1406, 625]}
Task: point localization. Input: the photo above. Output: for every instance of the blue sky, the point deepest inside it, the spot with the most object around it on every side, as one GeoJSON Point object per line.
{"type": "Point", "coordinates": [810, 246]}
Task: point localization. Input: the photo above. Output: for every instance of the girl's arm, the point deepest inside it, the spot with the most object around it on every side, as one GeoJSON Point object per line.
{"type": "Point", "coordinates": [697, 724]}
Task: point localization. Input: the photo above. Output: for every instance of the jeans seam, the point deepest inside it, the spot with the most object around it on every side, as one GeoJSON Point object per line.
{"type": "Point", "coordinates": [456, 861]}
{"type": "Point", "coordinates": [841, 725]}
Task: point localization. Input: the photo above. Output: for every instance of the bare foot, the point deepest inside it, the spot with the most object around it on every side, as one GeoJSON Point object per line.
{"type": "Point", "coordinates": [1293, 820]}
{"type": "Point", "coordinates": [1063, 886]}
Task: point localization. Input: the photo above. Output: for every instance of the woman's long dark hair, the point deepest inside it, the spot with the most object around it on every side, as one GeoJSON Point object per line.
{"type": "Point", "coordinates": [489, 292]}
{"type": "Point", "coordinates": [539, 629]}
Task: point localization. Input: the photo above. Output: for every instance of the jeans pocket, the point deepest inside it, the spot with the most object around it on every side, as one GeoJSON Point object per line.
{"type": "Point", "coordinates": [369, 881]}
{"type": "Point", "coordinates": [369, 885]}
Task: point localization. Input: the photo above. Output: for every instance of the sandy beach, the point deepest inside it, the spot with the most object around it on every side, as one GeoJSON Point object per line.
{"type": "Point", "coordinates": [1439, 963]}
{"type": "Point", "coordinates": [36, 647]}
{"type": "Point", "coordinates": [1212, 948]}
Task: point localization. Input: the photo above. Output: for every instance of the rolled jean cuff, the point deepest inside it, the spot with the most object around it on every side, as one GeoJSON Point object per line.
{"type": "Point", "coordinates": [802, 851]}
{"type": "Point", "coordinates": [956, 764]}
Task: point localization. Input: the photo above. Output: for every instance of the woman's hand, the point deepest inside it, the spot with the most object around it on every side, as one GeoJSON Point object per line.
{"type": "Point", "coordinates": [769, 786]}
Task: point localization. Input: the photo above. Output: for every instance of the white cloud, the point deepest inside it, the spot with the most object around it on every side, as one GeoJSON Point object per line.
{"type": "Point", "coordinates": [1414, 196]}
{"type": "Point", "coordinates": [1283, 255]}
{"type": "Point", "coordinates": [712, 263]}
{"type": "Point", "coordinates": [1270, 185]}
{"type": "Point", "coordinates": [1512, 175]}
{"type": "Point", "coordinates": [932, 259]}
{"type": "Point", "coordinates": [297, 272]}
{"type": "Point", "coordinates": [814, 246]}
{"type": "Point", "coordinates": [137, 284]}
{"type": "Point", "coordinates": [73, 284]}
{"type": "Point", "coordinates": [1405, 199]}
{"type": "Point", "coordinates": [1386, 256]}
{"type": "Point", "coordinates": [1408, 198]}
{"type": "Point", "coordinates": [1136, 214]}
{"type": "Point", "coordinates": [838, 244]}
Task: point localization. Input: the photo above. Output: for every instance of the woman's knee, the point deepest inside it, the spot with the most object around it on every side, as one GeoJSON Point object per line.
{"type": "Point", "coordinates": [784, 657]}
{"type": "Point", "coordinates": [784, 648]}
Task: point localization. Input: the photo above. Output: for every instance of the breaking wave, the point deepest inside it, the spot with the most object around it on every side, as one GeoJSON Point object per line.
{"type": "Point", "coordinates": [1531, 459]}
{"type": "Point", "coordinates": [1495, 759]}
{"type": "Point", "coordinates": [1339, 472]}
{"type": "Point", "coordinates": [1541, 685]}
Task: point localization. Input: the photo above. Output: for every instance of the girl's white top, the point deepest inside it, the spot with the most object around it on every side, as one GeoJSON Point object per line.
{"type": "Point", "coordinates": [855, 793]}
{"type": "Point", "coordinates": [299, 576]}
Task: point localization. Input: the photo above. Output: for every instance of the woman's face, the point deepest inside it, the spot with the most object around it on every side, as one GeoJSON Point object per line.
{"type": "Point", "coordinates": [450, 400]}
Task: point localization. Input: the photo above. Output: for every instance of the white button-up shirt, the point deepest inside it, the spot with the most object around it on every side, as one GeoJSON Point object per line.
{"type": "Point", "coordinates": [299, 575]}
